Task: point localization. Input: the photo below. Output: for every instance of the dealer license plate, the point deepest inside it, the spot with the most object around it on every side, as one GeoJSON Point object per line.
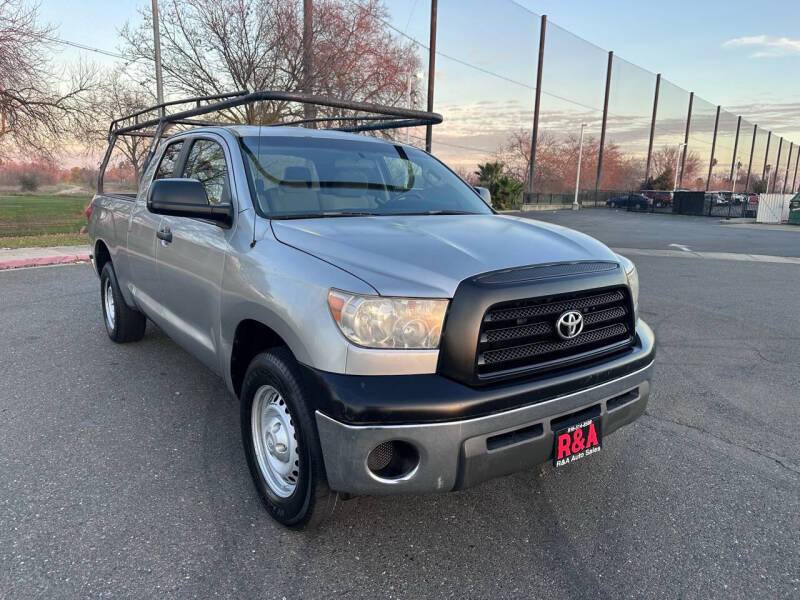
{"type": "Point", "coordinates": [577, 441]}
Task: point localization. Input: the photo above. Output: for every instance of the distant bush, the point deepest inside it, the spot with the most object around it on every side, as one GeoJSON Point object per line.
{"type": "Point", "coordinates": [28, 183]}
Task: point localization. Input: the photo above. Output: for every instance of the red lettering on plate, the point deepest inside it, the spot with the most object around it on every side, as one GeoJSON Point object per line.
{"type": "Point", "coordinates": [577, 440]}
{"type": "Point", "coordinates": [563, 445]}
{"type": "Point", "coordinates": [591, 438]}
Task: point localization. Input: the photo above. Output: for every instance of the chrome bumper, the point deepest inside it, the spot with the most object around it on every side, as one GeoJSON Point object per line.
{"type": "Point", "coordinates": [454, 455]}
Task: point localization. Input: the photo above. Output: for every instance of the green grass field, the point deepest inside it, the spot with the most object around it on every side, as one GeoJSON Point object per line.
{"type": "Point", "coordinates": [42, 220]}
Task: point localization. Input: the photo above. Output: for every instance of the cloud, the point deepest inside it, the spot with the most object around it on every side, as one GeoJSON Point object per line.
{"type": "Point", "coordinates": [765, 45]}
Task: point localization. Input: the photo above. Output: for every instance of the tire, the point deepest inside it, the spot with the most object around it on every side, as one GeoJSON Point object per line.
{"type": "Point", "coordinates": [613, 205]}
{"type": "Point", "coordinates": [123, 323]}
{"type": "Point", "coordinates": [286, 465]}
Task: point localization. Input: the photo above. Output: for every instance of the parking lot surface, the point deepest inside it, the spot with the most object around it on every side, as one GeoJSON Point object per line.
{"type": "Point", "coordinates": [123, 474]}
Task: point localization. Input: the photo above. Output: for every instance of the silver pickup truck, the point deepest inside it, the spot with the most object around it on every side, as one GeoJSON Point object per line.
{"type": "Point", "coordinates": [384, 328]}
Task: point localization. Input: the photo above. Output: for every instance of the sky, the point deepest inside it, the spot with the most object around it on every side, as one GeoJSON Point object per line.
{"type": "Point", "coordinates": [742, 55]}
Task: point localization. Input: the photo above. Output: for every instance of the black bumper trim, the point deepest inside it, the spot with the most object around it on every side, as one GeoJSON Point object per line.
{"type": "Point", "coordinates": [432, 398]}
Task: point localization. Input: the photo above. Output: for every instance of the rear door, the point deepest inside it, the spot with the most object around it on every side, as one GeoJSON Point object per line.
{"type": "Point", "coordinates": [190, 266]}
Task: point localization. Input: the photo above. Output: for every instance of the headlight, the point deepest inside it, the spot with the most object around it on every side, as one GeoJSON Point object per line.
{"type": "Point", "coordinates": [633, 283]}
{"type": "Point", "coordinates": [382, 322]}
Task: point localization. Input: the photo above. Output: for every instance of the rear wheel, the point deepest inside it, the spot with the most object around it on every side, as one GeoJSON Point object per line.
{"type": "Point", "coordinates": [123, 323]}
{"type": "Point", "coordinates": [281, 443]}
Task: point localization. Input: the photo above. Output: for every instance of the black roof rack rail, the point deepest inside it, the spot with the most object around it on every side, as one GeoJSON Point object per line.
{"type": "Point", "coordinates": [377, 117]}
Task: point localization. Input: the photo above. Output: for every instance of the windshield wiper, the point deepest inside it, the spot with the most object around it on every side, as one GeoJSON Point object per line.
{"type": "Point", "coordinates": [326, 215]}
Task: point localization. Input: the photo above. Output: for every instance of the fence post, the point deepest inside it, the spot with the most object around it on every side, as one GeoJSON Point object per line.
{"type": "Point", "coordinates": [750, 162]}
{"type": "Point", "coordinates": [652, 128]}
{"type": "Point", "coordinates": [777, 165]}
{"type": "Point", "coordinates": [431, 73]}
{"type": "Point", "coordinates": [766, 156]}
{"type": "Point", "coordinates": [713, 149]}
{"type": "Point", "coordinates": [537, 103]}
{"type": "Point", "coordinates": [735, 148]}
{"type": "Point", "coordinates": [686, 135]}
{"type": "Point", "coordinates": [796, 163]}
{"type": "Point", "coordinates": [788, 164]}
{"type": "Point", "coordinates": [603, 126]}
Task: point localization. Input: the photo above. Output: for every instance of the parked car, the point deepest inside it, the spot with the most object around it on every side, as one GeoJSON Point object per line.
{"type": "Point", "coordinates": [635, 201]}
{"type": "Point", "coordinates": [384, 329]}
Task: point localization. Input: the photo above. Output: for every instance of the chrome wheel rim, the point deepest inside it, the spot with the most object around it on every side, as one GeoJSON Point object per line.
{"type": "Point", "coordinates": [108, 298]}
{"type": "Point", "coordinates": [275, 441]}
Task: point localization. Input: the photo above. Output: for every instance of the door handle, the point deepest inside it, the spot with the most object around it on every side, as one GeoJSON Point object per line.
{"type": "Point", "coordinates": [165, 235]}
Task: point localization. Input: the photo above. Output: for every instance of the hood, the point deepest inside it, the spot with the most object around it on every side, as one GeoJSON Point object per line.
{"type": "Point", "coordinates": [429, 255]}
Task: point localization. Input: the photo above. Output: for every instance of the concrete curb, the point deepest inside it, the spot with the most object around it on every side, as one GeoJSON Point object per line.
{"type": "Point", "coordinates": [18, 258]}
{"type": "Point", "coordinates": [41, 261]}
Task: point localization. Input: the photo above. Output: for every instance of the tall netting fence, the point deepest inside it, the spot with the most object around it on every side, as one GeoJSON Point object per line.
{"type": "Point", "coordinates": [631, 130]}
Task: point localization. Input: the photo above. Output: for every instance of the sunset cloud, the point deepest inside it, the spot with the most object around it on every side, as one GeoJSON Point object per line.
{"type": "Point", "coordinates": [766, 46]}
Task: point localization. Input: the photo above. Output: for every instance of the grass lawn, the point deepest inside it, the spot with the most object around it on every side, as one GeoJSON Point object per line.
{"type": "Point", "coordinates": [42, 220]}
{"type": "Point", "coordinates": [44, 241]}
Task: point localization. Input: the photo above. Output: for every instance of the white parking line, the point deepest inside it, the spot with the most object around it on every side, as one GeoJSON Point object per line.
{"type": "Point", "coordinates": [680, 247]}
{"type": "Point", "coordinates": [763, 258]}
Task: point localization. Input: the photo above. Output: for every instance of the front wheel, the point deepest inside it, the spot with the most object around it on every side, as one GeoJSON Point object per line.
{"type": "Point", "coordinates": [281, 443]}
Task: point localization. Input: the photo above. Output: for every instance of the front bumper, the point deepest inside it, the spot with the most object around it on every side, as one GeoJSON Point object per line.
{"type": "Point", "coordinates": [456, 454]}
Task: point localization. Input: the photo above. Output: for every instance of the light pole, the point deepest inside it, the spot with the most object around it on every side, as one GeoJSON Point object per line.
{"type": "Point", "coordinates": [157, 51]}
{"type": "Point", "coordinates": [409, 93]}
{"type": "Point", "coordinates": [677, 162]}
{"type": "Point", "coordinates": [575, 205]}
{"type": "Point", "coordinates": [735, 177]}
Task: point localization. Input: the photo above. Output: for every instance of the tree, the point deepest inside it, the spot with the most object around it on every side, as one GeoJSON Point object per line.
{"type": "Point", "coordinates": [218, 46]}
{"type": "Point", "coordinates": [505, 190]}
{"type": "Point", "coordinates": [116, 97]}
{"type": "Point", "coordinates": [668, 156]}
{"type": "Point", "coordinates": [759, 186]}
{"type": "Point", "coordinates": [664, 181]}
{"type": "Point", "coordinates": [37, 111]}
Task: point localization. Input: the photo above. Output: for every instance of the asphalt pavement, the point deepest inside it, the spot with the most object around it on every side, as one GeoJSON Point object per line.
{"type": "Point", "coordinates": [123, 474]}
{"type": "Point", "coordinates": [625, 229]}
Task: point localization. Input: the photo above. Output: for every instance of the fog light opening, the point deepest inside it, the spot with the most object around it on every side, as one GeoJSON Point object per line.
{"type": "Point", "coordinates": [393, 459]}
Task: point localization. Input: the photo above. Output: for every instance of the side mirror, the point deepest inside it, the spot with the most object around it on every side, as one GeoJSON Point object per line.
{"type": "Point", "coordinates": [485, 194]}
{"type": "Point", "coordinates": [186, 198]}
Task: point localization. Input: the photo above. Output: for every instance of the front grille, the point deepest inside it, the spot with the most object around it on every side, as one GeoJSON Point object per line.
{"type": "Point", "coordinates": [520, 336]}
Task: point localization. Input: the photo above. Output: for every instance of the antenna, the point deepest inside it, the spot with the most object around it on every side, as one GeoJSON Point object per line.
{"type": "Point", "coordinates": [258, 154]}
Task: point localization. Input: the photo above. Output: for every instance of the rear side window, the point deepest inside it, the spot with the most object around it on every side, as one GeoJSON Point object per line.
{"type": "Point", "coordinates": [166, 167]}
{"type": "Point", "coordinates": [206, 163]}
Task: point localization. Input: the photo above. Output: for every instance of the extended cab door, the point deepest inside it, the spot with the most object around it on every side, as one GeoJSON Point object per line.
{"type": "Point", "coordinates": [192, 258]}
{"type": "Point", "coordinates": [142, 230]}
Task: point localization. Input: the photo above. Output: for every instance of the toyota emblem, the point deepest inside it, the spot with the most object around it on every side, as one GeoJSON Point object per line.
{"type": "Point", "coordinates": [569, 325]}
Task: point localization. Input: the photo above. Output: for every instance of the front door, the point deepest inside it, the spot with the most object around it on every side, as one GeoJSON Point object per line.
{"type": "Point", "coordinates": [141, 244]}
{"type": "Point", "coordinates": [190, 266]}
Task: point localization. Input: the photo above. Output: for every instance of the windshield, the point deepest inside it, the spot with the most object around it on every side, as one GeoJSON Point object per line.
{"type": "Point", "coordinates": [305, 177]}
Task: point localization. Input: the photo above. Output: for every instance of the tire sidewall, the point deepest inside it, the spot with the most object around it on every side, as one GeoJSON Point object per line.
{"type": "Point", "coordinates": [270, 368]}
{"type": "Point", "coordinates": [108, 276]}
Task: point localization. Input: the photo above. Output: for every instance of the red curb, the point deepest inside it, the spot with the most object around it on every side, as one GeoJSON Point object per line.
{"type": "Point", "coordinates": [42, 261]}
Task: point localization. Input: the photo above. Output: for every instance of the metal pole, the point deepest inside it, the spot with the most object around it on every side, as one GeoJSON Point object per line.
{"type": "Point", "coordinates": [777, 165]}
{"type": "Point", "coordinates": [603, 126]}
{"type": "Point", "coordinates": [537, 103]}
{"type": "Point", "coordinates": [431, 73]}
{"type": "Point", "coordinates": [796, 163]}
{"type": "Point", "coordinates": [309, 110]}
{"type": "Point", "coordinates": [734, 178]}
{"type": "Point", "coordinates": [157, 49]}
{"type": "Point", "coordinates": [575, 205]}
{"type": "Point", "coordinates": [736, 144]}
{"type": "Point", "coordinates": [766, 156]}
{"type": "Point", "coordinates": [750, 162]}
{"type": "Point", "coordinates": [713, 149]}
{"type": "Point", "coordinates": [686, 135]}
{"type": "Point", "coordinates": [652, 128]}
{"type": "Point", "coordinates": [677, 159]}
{"type": "Point", "coordinates": [788, 164]}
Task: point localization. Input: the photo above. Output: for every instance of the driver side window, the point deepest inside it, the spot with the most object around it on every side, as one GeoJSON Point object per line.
{"type": "Point", "coordinates": [206, 163]}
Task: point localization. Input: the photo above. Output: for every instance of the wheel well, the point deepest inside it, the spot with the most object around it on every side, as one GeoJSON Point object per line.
{"type": "Point", "coordinates": [251, 338]}
{"type": "Point", "coordinates": [101, 255]}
